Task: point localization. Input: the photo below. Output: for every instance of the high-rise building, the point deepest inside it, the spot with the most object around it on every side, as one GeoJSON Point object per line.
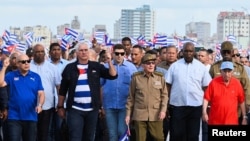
{"type": "Point", "coordinates": [236, 24]}
{"type": "Point", "coordinates": [134, 22]}
{"type": "Point", "coordinates": [199, 30]}
{"type": "Point", "coordinates": [75, 23]}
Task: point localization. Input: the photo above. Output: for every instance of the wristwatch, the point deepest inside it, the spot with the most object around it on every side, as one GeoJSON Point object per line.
{"type": "Point", "coordinates": [245, 117]}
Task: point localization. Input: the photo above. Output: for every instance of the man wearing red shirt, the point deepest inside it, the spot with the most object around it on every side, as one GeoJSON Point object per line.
{"type": "Point", "coordinates": [224, 93]}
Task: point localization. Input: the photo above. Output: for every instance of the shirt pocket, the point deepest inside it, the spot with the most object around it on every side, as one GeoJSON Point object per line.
{"type": "Point", "coordinates": [156, 91]}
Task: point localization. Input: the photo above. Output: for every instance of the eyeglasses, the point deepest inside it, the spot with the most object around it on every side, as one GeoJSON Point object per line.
{"type": "Point", "coordinates": [24, 61]}
{"type": "Point", "coordinates": [238, 55]}
{"type": "Point", "coordinates": [150, 62]}
{"type": "Point", "coordinates": [226, 51]}
{"type": "Point", "coordinates": [117, 53]}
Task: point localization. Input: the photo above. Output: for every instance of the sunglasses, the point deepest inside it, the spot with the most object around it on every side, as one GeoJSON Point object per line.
{"type": "Point", "coordinates": [226, 51]}
{"type": "Point", "coordinates": [121, 53]}
{"type": "Point", "coordinates": [149, 63]}
{"type": "Point", "coordinates": [238, 55]}
{"type": "Point", "coordinates": [24, 61]}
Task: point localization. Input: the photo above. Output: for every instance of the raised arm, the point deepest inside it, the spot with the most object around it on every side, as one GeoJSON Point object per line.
{"type": "Point", "coordinates": [6, 63]}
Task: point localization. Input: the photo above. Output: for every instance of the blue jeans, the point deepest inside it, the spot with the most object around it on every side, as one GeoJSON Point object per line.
{"type": "Point", "coordinates": [17, 129]}
{"type": "Point", "coordinates": [82, 124]}
{"type": "Point", "coordinates": [115, 119]}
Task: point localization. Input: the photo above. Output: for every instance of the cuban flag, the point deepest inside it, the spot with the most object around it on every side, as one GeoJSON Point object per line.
{"type": "Point", "coordinates": [141, 37]}
{"type": "Point", "coordinates": [6, 35]}
{"type": "Point", "coordinates": [108, 41]}
{"type": "Point", "coordinates": [133, 41]}
{"type": "Point", "coordinates": [160, 39]}
{"type": "Point", "coordinates": [13, 39]}
{"type": "Point", "coordinates": [21, 47]}
{"type": "Point", "coordinates": [64, 44]}
{"type": "Point", "coordinates": [71, 32]}
{"type": "Point", "coordinates": [29, 38]}
{"type": "Point", "coordinates": [170, 41]}
{"type": "Point", "coordinates": [218, 54]}
{"type": "Point", "coordinates": [99, 36]}
{"type": "Point", "coordinates": [125, 136]}
{"type": "Point", "coordinates": [80, 37]}
{"type": "Point", "coordinates": [231, 38]}
{"type": "Point", "coordinates": [7, 49]}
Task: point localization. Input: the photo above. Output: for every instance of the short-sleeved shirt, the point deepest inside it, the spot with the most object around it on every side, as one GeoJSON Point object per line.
{"type": "Point", "coordinates": [23, 94]}
{"type": "Point", "coordinates": [187, 80]}
{"type": "Point", "coordinates": [51, 78]}
{"type": "Point", "coordinates": [224, 101]}
{"type": "Point", "coordinates": [239, 72]}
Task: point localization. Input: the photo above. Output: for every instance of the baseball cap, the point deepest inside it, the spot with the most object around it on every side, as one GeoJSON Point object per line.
{"type": "Point", "coordinates": [226, 45]}
{"type": "Point", "coordinates": [148, 57]}
{"type": "Point", "coordinates": [227, 65]}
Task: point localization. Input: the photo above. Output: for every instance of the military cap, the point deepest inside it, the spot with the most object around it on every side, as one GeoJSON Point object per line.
{"type": "Point", "coordinates": [148, 57]}
{"type": "Point", "coordinates": [226, 45]}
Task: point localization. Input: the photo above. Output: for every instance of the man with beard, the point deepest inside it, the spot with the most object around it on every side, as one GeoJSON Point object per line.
{"type": "Point", "coordinates": [51, 79]}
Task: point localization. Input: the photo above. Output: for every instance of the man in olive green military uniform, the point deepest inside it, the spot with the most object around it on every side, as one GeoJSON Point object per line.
{"type": "Point", "coordinates": [147, 101]}
{"type": "Point", "coordinates": [239, 71]}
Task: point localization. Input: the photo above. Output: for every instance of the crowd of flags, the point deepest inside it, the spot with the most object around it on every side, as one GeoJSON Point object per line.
{"type": "Point", "coordinates": [71, 36]}
{"type": "Point", "coordinates": [11, 41]}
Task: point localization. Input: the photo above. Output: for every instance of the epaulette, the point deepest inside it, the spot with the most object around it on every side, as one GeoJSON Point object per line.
{"type": "Point", "coordinates": [217, 62]}
{"type": "Point", "coordinates": [238, 64]}
{"type": "Point", "coordinates": [158, 73]}
{"type": "Point", "coordinates": [137, 73]}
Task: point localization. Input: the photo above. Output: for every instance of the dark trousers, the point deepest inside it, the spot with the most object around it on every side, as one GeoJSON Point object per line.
{"type": "Point", "coordinates": [185, 123]}
{"type": "Point", "coordinates": [17, 130]}
{"type": "Point", "coordinates": [82, 124]}
{"type": "Point", "coordinates": [204, 127]}
{"type": "Point", "coordinates": [44, 119]}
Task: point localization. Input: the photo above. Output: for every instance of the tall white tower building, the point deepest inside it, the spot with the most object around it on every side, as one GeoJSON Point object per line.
{"type": "Point", "coordinates": [134, 22]}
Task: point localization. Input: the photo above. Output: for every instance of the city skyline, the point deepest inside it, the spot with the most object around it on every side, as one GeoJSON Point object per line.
{"type": "Point", "coordinates": [171, 16]}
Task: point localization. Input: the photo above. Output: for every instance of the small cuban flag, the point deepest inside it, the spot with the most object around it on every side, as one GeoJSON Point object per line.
{"type": "Point", "coordinates": [125, 136]}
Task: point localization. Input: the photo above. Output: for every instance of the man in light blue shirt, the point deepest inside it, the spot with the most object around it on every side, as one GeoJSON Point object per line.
{"type": "Point", "coordinates": [51, 79]}
{"type": "Point", "coordinates": [186, 79]}
{"type": "Point", "coordinates": [115, 93]}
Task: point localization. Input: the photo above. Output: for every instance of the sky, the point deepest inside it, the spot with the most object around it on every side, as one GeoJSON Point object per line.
{"type": "Point", "coordinates": [171, 15]}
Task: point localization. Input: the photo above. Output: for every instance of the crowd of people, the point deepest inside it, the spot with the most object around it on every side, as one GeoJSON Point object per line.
{"type": "Point", "coordinates": [93, 93]}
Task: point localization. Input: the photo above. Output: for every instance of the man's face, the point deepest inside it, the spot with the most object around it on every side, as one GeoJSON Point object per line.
{"type": "Point", "coordinates": [83, 52]}
{"type": "Point", "coordinates": [188, 53]}
{"type": "Point", "coordinates": [171, 55]}
{"type": "Point", "coordinates": [203, 57]}
{"type": "Point", "coordinates": [236, 56]}
{"type": "Point", "coordinates": [119, 55]}
{"type": "Point", "coordinates": [127, 46]}
{"type": "Point", "coordinates": [136, 55]}
{"type": "Point", "coordinates": [149, 66]}
{"type": "Point", "coordinates": [226, 55]}
{"type": "Point", "coordinates": [163, 54]}
{"type": "Point", "coordinates": [39, 54]}
{"type": "Point", "coordinates": [56, 52]}
{"type": "Point", "coordinates": [226, 74]}
{"type": "Point", "coordinates": [244, 61]}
